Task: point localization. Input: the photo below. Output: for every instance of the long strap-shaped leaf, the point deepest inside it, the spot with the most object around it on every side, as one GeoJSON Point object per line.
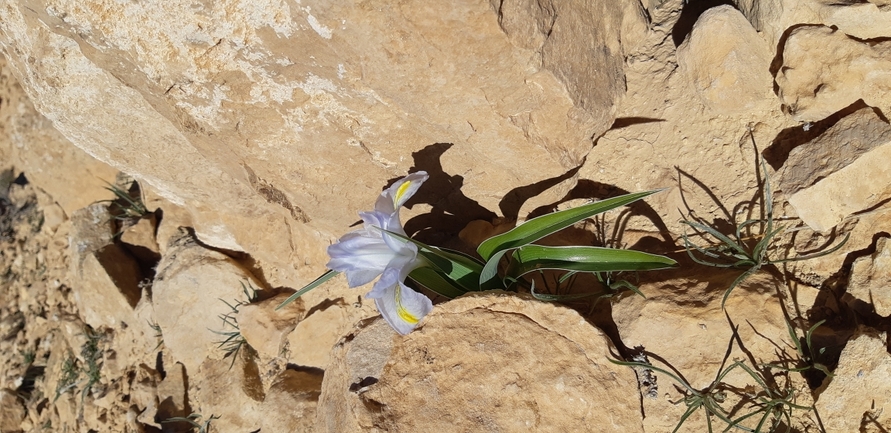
{"type": "Point", "coordinates": [316, 283]}
{"type": "Point", "coordinates": [585, 259]}
{"type": "Point", "coordinates": [539, 227]}
{"type": "Point", "coordinates": [437, 282]}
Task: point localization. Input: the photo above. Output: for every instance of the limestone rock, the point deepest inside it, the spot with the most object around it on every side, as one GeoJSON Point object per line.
{"type": "Point", "coordinates": [871, 278]}
{"type": "Point", "coordinates": [860, 185]}
{"type": "Point", "coordinates": [839, 146]}
{"type": "Point", "coordinates": [139, 239]}
{"type": "Point", "coordinates": [91, 229]}
{"type": "Point", "coordinates": [860, 388]}
{"type": "Point", "coordinates": [773, 18]}
{"type": "Point", "coordinates": [12, 411]}
{"type": "Point", "coordinates": [311, 341]}
{"type": "Point", "coordinates": [232, 390]}
{"type": "Point", "coordinates": [264, 328]}
{"type": "Point", "coordinates": [862, 230]}
{"type": "Point", "coordinates": [291, 401]}
{"type": "Point", "coordinates": [144, 393]}
{"type": "Point", "coordinates": [727, 62]}
{"type": "Point", "coordinates": [543, 364]}
{"type": "Point", "coordinates": [682, 322]}
{"type": "Point", "coordinates": [825, 70]}
{"type": "Point", "coordinates": [578, 42]}
{"type": "Point", "coordinates": [173, 218]}
{"type": "Point", "coordinates": [304, 112]}
{"type": "Point", "coordinates": [357, 361]}
{"type": "Point", "coordinates": [107, 289]}
{"type": "Point", "coordinates": [31, 143]}
{"type": "Point", "coordinates": [863, 20]}
{"type": "Point", "coordinates": [172, 394]}
{"type": "Point", "coordinates": [186, 295]}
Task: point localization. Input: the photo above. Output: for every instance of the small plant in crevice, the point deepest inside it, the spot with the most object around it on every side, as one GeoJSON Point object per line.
{"type": "Point", "coordinates": [91, 367]}
{"type": "Point", "coordinates": [92, 355]}
{"type": "Point", "coordinates": [806, 360]}
{"type": "Point", "coordinates": [192, 420]}
{"type": "Point", "coordinates": [233, 341]}
{"type": "Point", "coordinates": [748, 247]}
{"type": "Point", "coordinates": [382, 252]}
{"type": "Point", "coordinates": [70, 374]}
{"type": "Point", "coordinates": [158, 334]}
{"type": "Point", "coordinates": [28, 357]}
{"type": "Point", "coordinates": [759, 407]}
{"type": "Point", "coordinates": [127, 207]}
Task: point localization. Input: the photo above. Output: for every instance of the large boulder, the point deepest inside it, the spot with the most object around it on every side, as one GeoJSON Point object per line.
{"type": "Point", "coordinates": [274, 122]}
{"type": "Point", "coordinates": [490, 362]}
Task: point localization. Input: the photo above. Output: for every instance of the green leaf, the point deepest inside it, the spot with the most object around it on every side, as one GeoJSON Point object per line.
{"type": "Point", "coordinates": [489, 275]}
{"type": "Point", "coordinates": [539, 227]}
{"type": "Point", "coordinates": [583, 259]}
{"type": "Point", "coordinates": [437, 282]}
{"type": "Point", "coordinates": [318, 282]}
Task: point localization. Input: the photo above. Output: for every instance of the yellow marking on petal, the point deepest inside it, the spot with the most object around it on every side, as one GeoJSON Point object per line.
{"type": "Point", "coordinates": [404, 314]}
{"type": "Point", "coordinates": [400, 192]}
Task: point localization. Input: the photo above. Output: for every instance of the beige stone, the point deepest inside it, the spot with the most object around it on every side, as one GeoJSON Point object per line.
{"type": "Point", "coordinates": [139, 239]}
{"type": "Point", "coordinates": [108, 288]}
{"type": "Point", "coordinates": [332, 311]}
{"type": "Point", "coordinates": [31, 143]}
{"type": "Point", "coordinates": [107, 277]}
{"type": "Point", "coordinates": [291, 401]}
{"type": "Point", "coordinates": [188, 293]}
{"type": "Point", "coordinates": [498, 361]}
{"type": "Point", "coordinates": [12, 412]}
{"type": "Point", "coordinates": [825, 70]}
{"type": "Point", "coordinates": [727, 62]}
{"type": "Point", "coordinates": [304, 112]}
{"type": "Point", "coordinates": [231, 390]}
{"type": "Point", "coordinates": [311, 341]}
{"type": "Point", "coordinates": [265, 328]}
{"type": "Point", "coordinates": [682, 322]}
{"type": "Point", "coordinates": [859, 389]}
{"type": "Point", "coordinates": [569, 37]}
{"type": "Point", "coordinates": [837, 147]}
{"type": "Point", "coordinates": [871, 279]}
{"type": "Point", "coordinates": [773, 18]}
{"type": "Point", "coordinates": [861, 229]}
{"type": "Point", "coordinates": [859, 186]}
{"type": "Point", "coordinates": [357, 361]}
{"type": "Point", "coordinates": [143, 394]}
{"type": "Point", "coordinates": [172, 401]}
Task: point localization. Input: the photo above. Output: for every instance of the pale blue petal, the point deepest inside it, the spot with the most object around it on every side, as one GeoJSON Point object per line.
{"type": "Point", "coordinates": [392, 198]}
{"type": "Point", "coordinates": [376, 221]}
{"type": "Point", "coordinates": [362, 255]}
{"type": "Point", "coordinates": [402, 307]}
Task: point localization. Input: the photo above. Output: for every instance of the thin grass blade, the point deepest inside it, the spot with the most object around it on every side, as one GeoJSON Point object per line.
{"type": "Point", "coordinates": [316, 283]}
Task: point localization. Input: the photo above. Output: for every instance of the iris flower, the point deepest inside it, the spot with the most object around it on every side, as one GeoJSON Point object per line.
{"type": "Point", "coordinates": [369, 252]}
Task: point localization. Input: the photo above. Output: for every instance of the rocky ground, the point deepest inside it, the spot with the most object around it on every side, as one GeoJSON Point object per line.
{"type": "Point", "coordinates": [168, 179]}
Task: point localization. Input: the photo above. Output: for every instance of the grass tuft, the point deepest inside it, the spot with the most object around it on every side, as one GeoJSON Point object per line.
{"type": "Point", "coordinates": [233, 341]}
{"type": "Point", "coordinates": [748, 246]}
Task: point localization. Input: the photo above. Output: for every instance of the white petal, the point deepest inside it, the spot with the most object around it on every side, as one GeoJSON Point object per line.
{"type": "Point", "coordinates": [362, 255]}
{"type": "Point", "coordinates": [402, 307]}
{"type": "Point", "coordinates": [396, 195]}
